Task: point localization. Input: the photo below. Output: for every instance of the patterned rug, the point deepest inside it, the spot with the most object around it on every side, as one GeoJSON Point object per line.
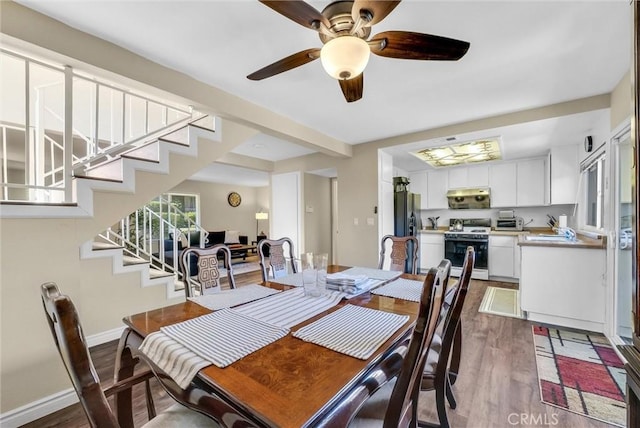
{"type": "Point", "coordinates": [580, 372]}
{"type": "Point", "coordinates": [501, 301]}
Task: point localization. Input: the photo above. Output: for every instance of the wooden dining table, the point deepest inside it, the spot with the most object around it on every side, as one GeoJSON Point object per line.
{"type": "Point", "coordinates": [288, 383]}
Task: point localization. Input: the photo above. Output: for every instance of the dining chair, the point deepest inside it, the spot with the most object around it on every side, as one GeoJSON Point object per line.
{"type": "Point", "coordinates": [276, 262]}
{"type": "Point", "coordinates": [403, 249]}
{"type": "Point", "coordinates": [395, 404]}
{"type": "Point", "coordinates": [436, 375]}
{"type": "Point", "coordinates": [208, 277]}
{"type": "Point", "coordinates": [72, 346]}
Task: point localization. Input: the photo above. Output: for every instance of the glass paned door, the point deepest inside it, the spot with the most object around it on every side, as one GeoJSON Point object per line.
{"type": "Point", "coordinates": [625, 173]}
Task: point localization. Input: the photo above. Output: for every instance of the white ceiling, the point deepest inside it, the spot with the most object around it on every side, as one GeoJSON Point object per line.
{"type": "Point", "coordinates": [523, 54]}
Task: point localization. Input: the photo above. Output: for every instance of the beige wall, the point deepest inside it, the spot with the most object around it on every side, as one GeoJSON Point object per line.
{"type": "Point", "coordinates": [216, 214]}
{"type": "Point", "coordinates": [317, 224]}
{"type": "Point", "coordinates": [621, 101]}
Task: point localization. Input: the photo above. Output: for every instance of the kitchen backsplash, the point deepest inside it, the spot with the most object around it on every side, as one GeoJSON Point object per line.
{"type": "Point", "coordinates": [537, 214]}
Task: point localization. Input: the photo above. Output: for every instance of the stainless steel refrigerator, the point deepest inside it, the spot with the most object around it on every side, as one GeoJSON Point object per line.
{"type": "Point", "coordinates": [407, 219]}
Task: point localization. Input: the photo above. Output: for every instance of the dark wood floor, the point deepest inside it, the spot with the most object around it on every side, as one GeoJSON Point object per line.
{"type": "Point", "coordinates": [497, 378]}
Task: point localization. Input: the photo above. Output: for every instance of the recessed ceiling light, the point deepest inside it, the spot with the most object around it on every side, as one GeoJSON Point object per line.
{"type": "Point", "coordinates": [484, 150]}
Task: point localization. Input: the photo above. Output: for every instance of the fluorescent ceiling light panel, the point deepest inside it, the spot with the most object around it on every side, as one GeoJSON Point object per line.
{"type": "Point", "coordinates": [484, 150]}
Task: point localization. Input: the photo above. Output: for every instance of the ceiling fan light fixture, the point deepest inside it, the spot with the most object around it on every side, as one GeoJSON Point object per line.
{"type": "Point", "coordinates": [345, 57]}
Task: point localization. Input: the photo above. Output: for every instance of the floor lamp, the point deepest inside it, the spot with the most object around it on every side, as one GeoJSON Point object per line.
{"type": "Point", "coordinates": [260, 216]}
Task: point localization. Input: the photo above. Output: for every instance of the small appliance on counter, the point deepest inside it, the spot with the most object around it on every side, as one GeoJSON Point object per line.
{"type": "Point", "coordinates": [507, 220]}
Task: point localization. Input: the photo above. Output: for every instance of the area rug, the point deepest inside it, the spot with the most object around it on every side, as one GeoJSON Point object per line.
{"type": "Point", "coordinates": [501, 301]}
{"type": "Point", "coordinates": [581, 373]}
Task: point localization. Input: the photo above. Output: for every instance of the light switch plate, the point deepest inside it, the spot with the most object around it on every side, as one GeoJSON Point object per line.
{"type": "Point", "coordinates": [369, 221]}
{"type": "Point", "coordinates": [355, 221]}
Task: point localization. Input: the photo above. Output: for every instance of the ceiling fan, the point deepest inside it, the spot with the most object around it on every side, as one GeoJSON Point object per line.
{"type": "Point", "coordinates": [344, 28]}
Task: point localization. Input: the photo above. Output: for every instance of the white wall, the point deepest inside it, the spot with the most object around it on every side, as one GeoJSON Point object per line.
{"type": "Point", "coordinates": [317, 214]}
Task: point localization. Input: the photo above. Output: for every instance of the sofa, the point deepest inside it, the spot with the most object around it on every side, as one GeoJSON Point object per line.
{"type": "Point", "coordinates": [216, 237]}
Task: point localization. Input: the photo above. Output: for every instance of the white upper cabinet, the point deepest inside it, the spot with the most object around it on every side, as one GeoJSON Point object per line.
{"type": "Point", "coordinates": [518, 184]}
{"type": "Point", "coordinates": [437, 186]}
{"type": "Point", "coordinates": [385, 167]}
{"type": "Point", "coordinates": [565, 174]}
{"type": "Point", "coordinates": [502, 181]}
{"type": "Point", "coordinates": [468, 176]}
{"type": "Point", "coordinates": [530, 183]}
{"type": "Point", "coordinates": [418, 184]}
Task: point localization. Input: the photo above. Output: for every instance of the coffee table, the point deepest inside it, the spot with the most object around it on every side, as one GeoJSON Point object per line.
{"type": "Point", "coordinates": [240, 250]}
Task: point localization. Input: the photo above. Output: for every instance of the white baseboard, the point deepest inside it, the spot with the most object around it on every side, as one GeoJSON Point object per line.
{"type": "Point", "coordinates": [54, 402]}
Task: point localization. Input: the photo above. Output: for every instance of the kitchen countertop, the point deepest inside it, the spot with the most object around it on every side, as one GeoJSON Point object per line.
{"type": "Point", "coordinates": [583, 241]}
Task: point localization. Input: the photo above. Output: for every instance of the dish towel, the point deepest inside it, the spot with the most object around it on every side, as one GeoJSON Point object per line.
{"type": "Point", "coordinates": [229, 298]}
{"type": "Point", "coordinates": [289, 308]}
{"type": "Point", "coordinates": [219, 338]}
{"type": "Point", "coordinates": [405, 289]}
{"type": "Point", "coordinates": [384, 275]}
{"type": "Point", "coordinates": [353, 330]}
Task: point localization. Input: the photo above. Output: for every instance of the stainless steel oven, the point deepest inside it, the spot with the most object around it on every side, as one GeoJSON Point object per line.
{"type": "Point", "coordinates": [455, 247]}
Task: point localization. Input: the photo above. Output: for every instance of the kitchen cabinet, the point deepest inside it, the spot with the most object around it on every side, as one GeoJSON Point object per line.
{"type": "Point", "coordinates": [437, 186]}
{"type": "Point", "coordinates": [502, 256]}
{"type": "Point", "coordinates": [518, 184]}
{"type": "Point", "coordinates": [530, 183]}
{"type": "Point", "coordinates": [431, 250]}
{"type": "Point", "coordinates": [502, 180]}
{"type": "Point", "coordinates": [418, 184]}
{"type": "Point", "coordinates": [385, 167]}
{"type": "Point", "coordinates": [468, 176]}
{"type": "Point", "coordinates": [564, 286]}
{"type": "Point", "coordinates": [565, 174]}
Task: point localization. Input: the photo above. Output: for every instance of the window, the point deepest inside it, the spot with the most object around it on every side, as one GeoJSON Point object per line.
{"type": "Point", "coordinates": [593, 175]}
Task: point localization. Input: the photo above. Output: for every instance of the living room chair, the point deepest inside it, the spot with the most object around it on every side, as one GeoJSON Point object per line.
{"type": "Point", "coordinates": [276, 262]}
{"type": "Point", "coordinates": [396, 403]}
{"type": "Point", "coordinates": [72, 346]}
{"type": "Point", "coordinates": [403, 249]}
{"type": "Point", "coordinates": [436, 374]}
{"type": "Point", "coordinates": [208, 266]}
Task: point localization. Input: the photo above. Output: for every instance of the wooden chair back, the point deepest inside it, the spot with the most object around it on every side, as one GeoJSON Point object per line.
{"type": "Point", "coordinates": [403, 248]}
{"type": "Point", "coordinates": [208, 277]}
{"type": "Point", "coordinates": [68, 336]}
{"type": "Point", "coordinates": [277, 261]}
{"type": "Point", "coordinates": [403, 403]}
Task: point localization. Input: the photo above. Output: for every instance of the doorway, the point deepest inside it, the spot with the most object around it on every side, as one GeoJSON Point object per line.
{"type": "Point", "coordinates": [624, 235]}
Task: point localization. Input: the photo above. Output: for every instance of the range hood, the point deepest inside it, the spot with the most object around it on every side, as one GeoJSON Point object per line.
{"type": "Point", "coordinates": [469, 199]}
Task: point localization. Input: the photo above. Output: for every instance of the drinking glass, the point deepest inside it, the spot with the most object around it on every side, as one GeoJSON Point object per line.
{"type": "Point", "coordinates": [320, 264]}
{"type": "Point", "coordinates": [309, 275]}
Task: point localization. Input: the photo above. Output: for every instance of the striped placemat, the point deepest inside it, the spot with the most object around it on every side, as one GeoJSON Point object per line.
{"type": "Point", "coordinates": [219, 338]}
{"type": "Point", "coordinates": [353, 330]}
{"type": "Point", "coordinates": [289, 308]}
{"type": "Point", "coordinates": [385, 275]}
{"type": "Point", "coordinates": [237, 296]}
{"type": "Point", "coordinates": [401, 288]}
{"type": "Point", "coordinates": [351, 291]}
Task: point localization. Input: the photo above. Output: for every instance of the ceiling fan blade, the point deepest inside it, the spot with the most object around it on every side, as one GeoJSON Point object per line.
{"type": "Point", "coordinates": [298, 11]}
{"type": "Point", "coordinates": [286, 64]}
{"type": "Point", "coordinates": [409, 45]}
{"type": "Point", "coordinates": [352, 88]}
{"type": "Point", "coordinates": [377, 9]}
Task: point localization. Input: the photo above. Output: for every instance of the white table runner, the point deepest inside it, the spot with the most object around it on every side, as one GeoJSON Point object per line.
{"type": "Point", "coordinates": [229, 298]}
{"type": "Point", "coordinates": [293, 279]}
{"type": "Point", "coordinates": [384, 275]}
{"type": "Point", "coordinates": [289, 308]}
{"type": "Point", "coordinates": [353, 330]}
{"type": "Point", "coordinates": [401, 288]}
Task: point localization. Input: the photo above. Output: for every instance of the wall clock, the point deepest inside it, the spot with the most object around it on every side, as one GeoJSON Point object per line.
{"type": "Point", "coordinates": [234, 199]}
{"type": "Point", "coordinates": [588, 143]}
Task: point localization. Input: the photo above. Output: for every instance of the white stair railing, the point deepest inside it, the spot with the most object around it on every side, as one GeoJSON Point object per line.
{"type": "Point", "coordinates": [77, 122]}
{"type": "Point", "coordinates": [143, 234]}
